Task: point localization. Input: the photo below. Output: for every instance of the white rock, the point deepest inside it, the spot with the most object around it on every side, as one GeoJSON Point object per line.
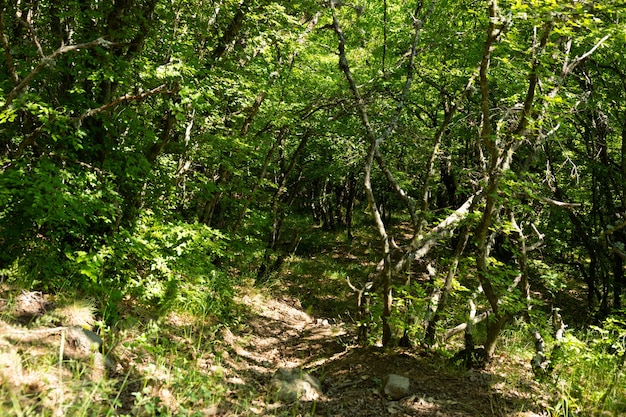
{"type": "Point", "coordinates": [396, 386]}
{"type": "Point", "coordinates": [291, 385]}
{"type": "Point", "coordinates": [85, 340]}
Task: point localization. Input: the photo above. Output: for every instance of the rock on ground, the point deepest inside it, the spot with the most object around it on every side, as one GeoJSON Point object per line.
{"type": "Point", "coordinates": [291, 385]}
{"type": "Point", "coordinates": [396, 386]}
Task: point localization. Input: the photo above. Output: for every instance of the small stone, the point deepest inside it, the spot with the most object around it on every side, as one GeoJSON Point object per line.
{"type": "Point", "coordinates": [396, 386]}
{"type": "Point", "coordinates": [291, 385]}
{"type": "Point", "coordinates": [85, 340]}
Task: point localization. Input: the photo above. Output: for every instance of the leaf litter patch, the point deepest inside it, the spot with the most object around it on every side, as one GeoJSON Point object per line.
{"type": "Point", "coordinates": [278, 335]}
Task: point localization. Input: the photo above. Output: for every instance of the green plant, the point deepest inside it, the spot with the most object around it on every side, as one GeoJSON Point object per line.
{"type": "Point", "coordinates": [159, 265]}
{"type": "Point", "coordinates": [589, 373]}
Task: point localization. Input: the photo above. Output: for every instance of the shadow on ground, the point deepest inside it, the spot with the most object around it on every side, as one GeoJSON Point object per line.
{"type": "Point", "coordinates": [280, 335]}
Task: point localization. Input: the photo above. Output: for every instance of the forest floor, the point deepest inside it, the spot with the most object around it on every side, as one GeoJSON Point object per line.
{"type": "Point", "coordinates": [274, 332]}
{"type": "Point", "coordinates": [279, 334]}
{"type": "Point", "coordinates": [305, 321]}
{"type": "Point", "coordinates": [301, 318]}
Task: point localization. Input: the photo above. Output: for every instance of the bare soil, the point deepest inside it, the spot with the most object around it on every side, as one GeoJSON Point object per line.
{"type": "Point", "coordinates": [276, 333]}
{"type": "Point", "coordinates": [279, 334]}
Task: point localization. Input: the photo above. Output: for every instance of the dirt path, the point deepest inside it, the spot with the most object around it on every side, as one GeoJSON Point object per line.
{"type": "Point", "coordinates": [279, 334]}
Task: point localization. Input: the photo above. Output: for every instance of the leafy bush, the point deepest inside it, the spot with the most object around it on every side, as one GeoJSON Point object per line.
{"type": "Point", "coordinates": [47, 209]}
{"type": "Point", "coordinates": [160, 265]}
{"type": "Point", "coordinates": [589, 373]}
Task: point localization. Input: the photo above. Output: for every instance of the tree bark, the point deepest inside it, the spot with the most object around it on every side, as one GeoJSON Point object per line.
{"type": "Point", "coordinates": [439, 299]}
{"type": "Point", "coordinates": [373, 153]}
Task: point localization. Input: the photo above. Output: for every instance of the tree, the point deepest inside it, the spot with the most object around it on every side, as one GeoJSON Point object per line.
{"type": "Point", "coordinates": [126, 121]}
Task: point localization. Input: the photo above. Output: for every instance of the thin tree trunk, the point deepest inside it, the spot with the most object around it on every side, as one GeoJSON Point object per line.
{"type": "Point", "coordinates": [373, 153]}
{"type": "Point", "coordinates": [350, 204]}
{"type": "Point", "coordinates": [439, 299]}
{"type": "Point", "coordinates": [275, 145]}
{"type": "Point", "coordinates": [278, 210]}
{"type": "Point", "coordinates": [493, 332]}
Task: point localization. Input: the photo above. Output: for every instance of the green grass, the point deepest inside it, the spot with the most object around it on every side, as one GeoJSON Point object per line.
{"type": "Point", "coordinates": [164, 366]}
{"type": "Point", "coordinates": [588, 378]}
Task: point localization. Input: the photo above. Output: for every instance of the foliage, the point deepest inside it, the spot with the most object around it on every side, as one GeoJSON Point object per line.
{"type": "Point", "coordinates": [44, 216]}
{"type": "Point", "coordinates": [154, 153]}
{"type": "Point", "coordinates": [589, 372]}
{"type": "Point", "coordinates": [158, 265]}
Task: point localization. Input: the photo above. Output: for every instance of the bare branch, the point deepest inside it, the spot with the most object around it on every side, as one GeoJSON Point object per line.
{"type": "Point", "coordinates": [562, 204]}
{"type": "Point", "coordinates": [584, 56]}
{"type": "Point", "coordinates": [568, 68]}
{"type": "Point", "coordinates": [540, 237]}
{"type": "Point", "coordinates": [422, 244]}
{"type": "Point", "coordinates": [123, 99]}
{"type": "Point", "coordinates": [48, 60]}
{"type": "Point", "coordinates": [33, 35]}
{"type": "Point", "coordinates": [461, 327]}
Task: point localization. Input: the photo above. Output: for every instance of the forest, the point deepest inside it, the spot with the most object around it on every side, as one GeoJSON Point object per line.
{"type": "Point", "coordinates": [199, 196]}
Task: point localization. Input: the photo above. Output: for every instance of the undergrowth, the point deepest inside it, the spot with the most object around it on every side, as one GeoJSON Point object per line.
{"type": "Point", "coordinates": [170, 359]}
{"type": "Point", "coordinates": [164, 366]}
{"type": "Point", "coordinates": [589, 371]}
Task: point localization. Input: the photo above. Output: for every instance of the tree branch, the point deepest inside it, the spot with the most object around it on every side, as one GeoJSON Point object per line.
{"type": "Point", "coordinates": [421, 245]}
{"type": "Point", "coordinates": [7, 51]}
{"type": "Point", "coordinates": [568, 68]}
{"type": "Point", "coordinates": [461, 327]}
{"type": "Point", "coordinates": [447, 119]}
{"type": "Point", "coordinates": [47, 61]}
{"type": "Point", "coordinates": [493, 33]}
{"type": "Point", "coordinates": [123, 99]}
{"type": "Point", "coordinates": [33, 35]}
{"type": "Point", "coordinates": [375, 140]}
{"type": "Point", "coordinates": [533, 80]}
{"type": "Point", "coordinates": [561, 204]}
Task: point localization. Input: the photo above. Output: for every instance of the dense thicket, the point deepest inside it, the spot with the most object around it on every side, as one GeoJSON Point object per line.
{"type": "Point", "coordinates": [149, 145]}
